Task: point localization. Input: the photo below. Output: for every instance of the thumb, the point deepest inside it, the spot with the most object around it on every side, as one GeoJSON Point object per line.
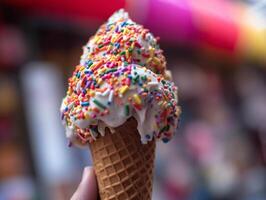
{"type": "Point", "coordinates": [87, 189]}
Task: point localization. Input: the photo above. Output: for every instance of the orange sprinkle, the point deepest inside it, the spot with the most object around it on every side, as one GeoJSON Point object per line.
{"type": "Point", "coordinates": [96, 110]}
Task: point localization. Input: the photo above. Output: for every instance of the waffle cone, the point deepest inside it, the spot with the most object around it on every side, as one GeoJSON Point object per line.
{"type": "Point", "coordinates": [123, 165]}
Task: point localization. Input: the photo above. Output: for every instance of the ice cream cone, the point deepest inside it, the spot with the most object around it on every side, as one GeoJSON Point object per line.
{"type": "Point", "coordinates": [123, 165]}
{"type": "Point", "coordinates": [122, 76]}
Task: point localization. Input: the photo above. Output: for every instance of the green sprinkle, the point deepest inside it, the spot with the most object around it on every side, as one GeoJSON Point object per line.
{"type": "Point", "coordinates": [127, 110]}
{"type": "Point", "coordinates": [145, 90]}
{"type": "Point", "coordinates": [111, 70]}
{"type": "Point", "coordinates": [99, 104]}
{"type": "Point", "coordinates": [136, 78]}
{"type": "Point", "coordinates": [90, 63]}
{"type": "Point", "coordinates": [165, 128]}
{"type": "Point", "coordinates": [130, 50]}
{"type": "Point", "coordinates": [100, 46]}
{"type": "Point", "coordinates": [144, 78]}
{"type": "Point", "coordinates": [122, 53]}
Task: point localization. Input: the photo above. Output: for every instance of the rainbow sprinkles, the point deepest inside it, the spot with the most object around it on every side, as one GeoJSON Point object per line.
{"type": "Point", "coordinates": [121, 74]}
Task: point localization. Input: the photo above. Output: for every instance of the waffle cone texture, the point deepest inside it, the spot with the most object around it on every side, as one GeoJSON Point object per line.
{"type": "Point", "coordinates": [123, 165]}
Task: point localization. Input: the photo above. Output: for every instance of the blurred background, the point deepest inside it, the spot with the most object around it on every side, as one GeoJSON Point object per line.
{"type": "Point", "coordinates": [217, 53]}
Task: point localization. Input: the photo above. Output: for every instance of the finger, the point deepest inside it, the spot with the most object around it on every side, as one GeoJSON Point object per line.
{"type": "Point", "coordinates": [87, 189]}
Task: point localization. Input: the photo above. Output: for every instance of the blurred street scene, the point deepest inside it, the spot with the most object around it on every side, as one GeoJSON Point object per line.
{"type": "Point", "coordinates": [218, 61]}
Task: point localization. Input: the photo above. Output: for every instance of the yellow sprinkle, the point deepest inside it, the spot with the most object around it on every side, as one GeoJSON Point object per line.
{"type": "Point", "coordinates": [96, 39]}
{"type": "Point", "coordinates": [152, 52]}
{"type": "Point", "coordinates": [101, 70]}
{"type": "Point", "coordinates": [113, 39]}
{"type": "Point", "coordinates": [87, 116]}
{"type": "Point", "coordinates": [149, 60]}
{"type": "Point", "coordinates": [127, 54]}
{"type": "Point", "coordinates": [156, 60]}
{"type": "Point", "coordinates": [81, 68]}
{"type": "Point", "coordinates": [137, 99]}
{"type": "Point", "coordinates": [100, 81]}
{"type": "Point", "coordinates": [125, 31]}
{"type": "Point", "coordinates": [92, 93]}
{"type": "Point", "coordinates": [133, 45]}
{"type": "Point", "coordinates": [112, 28]}
{"type": "Point", "coordinates": [109, 48]}
{"type": "Point", "coordinates": [123, 89]}
{"type": "Point", "coordinates": [113, 57]}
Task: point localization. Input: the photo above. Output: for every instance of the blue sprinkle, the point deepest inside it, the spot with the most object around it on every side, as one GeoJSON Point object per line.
{"type": "Point", "coordinates": [85, 103]}
{"type": "Point", "coordinates": [150, 98]}
{"type": "Point", "coordinates": [70, 144]}
{"type": "Point", "coordinates": [94, 128]}
{"type": "Point", "coordinates": [84, 91]}
{"type": "Point", "coordinates": [124, 24]}
{"type": "Point", "coordinates": [165, 140]}
{"type": "Point", "coordinates": [88, 63]}
{"type": "Point", "coordinates": [148, 137]}
{"type": "Point", "coordinates": [117, 45]}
